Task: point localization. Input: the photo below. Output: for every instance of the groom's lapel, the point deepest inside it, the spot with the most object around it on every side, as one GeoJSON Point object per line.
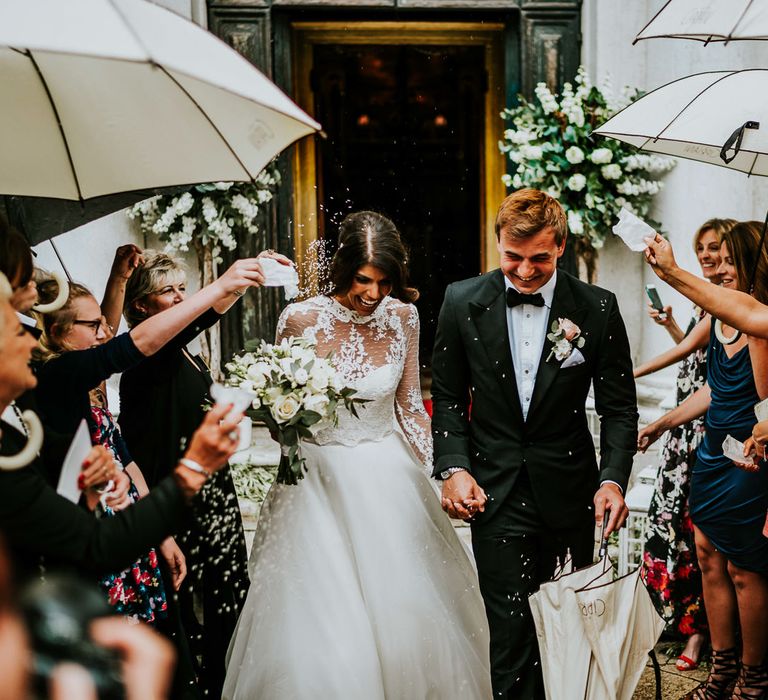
{"type": "Point", "coordinates": [563, 306]}
{"type": "Point", "coordinates": [489, 314]}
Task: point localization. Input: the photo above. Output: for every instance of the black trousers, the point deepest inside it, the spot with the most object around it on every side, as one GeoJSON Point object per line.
{"type": "Point", "coordinates": [515, 553]}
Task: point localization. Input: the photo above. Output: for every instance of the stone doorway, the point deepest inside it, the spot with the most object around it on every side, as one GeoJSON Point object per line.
{"type": "Point", "coordinates": [412, 128]}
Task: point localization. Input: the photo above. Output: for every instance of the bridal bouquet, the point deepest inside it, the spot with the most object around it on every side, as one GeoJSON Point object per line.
{"type": "Point", "coordinates": [295, 393]}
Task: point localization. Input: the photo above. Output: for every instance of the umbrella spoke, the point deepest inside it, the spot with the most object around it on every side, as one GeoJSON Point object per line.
{"type": "Point", "coordinates": [52, 102]}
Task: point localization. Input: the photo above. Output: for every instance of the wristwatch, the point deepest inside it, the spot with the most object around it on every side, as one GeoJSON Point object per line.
{"type": "Point", "coordinates": [446, 473]}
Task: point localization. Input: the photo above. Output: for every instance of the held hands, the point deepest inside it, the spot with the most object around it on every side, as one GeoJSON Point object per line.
{"type": "Point", "coordinates": [609, 497]}
{"type": "Point", "coordinates": [462, 498]}
{"type": "Point", "coordinates": [660, 257]}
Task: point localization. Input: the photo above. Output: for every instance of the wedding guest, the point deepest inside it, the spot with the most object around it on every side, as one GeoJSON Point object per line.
{"type": "Point", "coordinates": [15, 657]}
{"type": "Point", "coordinates": [728, 504]}
{"type": "Point", "coordinates": [37, 522]}
{"type": "Point", "coordinates": [161, 400]}
{"type": "Point", "coordinates": [671, 569]}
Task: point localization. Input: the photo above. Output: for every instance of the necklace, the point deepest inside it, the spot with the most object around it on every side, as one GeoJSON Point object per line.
{"type": "Point", "coordinates": [720, 335]}
{"type": "Point", "coordinates": [19, 418]}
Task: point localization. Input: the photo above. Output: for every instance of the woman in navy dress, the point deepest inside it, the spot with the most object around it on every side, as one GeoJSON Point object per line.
{"type": "Point", "coordinates": [728, 502]}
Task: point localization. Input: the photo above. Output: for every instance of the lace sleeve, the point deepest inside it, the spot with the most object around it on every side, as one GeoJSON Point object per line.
{"type": "Point", "coordinates": [409, 405]}
{"type": "Point", "coordinates": [294, 322]}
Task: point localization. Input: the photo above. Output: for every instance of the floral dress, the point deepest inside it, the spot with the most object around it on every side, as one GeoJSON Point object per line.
{"type": "Point", "coordinates": [138, 592]}
{"type": "Point", "coordinates": [672, 572]}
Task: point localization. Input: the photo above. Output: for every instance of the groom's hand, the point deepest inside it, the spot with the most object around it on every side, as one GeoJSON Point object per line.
{"type": "Point", "coordinates": [609, 497]}
{"type": "Point", "coordinates": [462, 497]}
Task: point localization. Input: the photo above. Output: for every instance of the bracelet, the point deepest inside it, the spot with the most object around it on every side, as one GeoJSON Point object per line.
{"type": "Point", "coordinates": [194, 466]}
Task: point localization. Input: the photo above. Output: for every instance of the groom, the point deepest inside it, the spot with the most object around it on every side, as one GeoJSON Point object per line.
{"type": "Point", "coordinates": [522, 466]}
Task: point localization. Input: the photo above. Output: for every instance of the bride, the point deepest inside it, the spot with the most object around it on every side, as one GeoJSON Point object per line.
{"type": "Point", "coordinates": [360, 589]}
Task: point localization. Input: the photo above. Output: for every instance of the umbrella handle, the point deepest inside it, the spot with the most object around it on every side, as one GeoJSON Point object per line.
{"type": "Point", "coordinates": [734, 141]}
{"type": "Point", "coordinates": [61, 297]}
{"type": "Point", "coordinates": [603, 551]}
{"type": "Point", "coordinates": [31, 449]}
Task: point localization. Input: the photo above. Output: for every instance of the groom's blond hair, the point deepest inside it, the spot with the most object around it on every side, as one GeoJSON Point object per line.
{"type": "Point", "coordinates": [526, 212]}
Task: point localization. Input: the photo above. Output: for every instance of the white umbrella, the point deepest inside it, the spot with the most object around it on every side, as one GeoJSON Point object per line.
{"type": "Point", "coordinates": [709, 20]}
{"type": "Point", "coordinates": [719, 117]}
{"type": "Point", "coordinates": [104, 96]}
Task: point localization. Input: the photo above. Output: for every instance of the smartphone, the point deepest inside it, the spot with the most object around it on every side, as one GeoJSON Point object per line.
{"type": "Point", "coordinates": [653, 295]}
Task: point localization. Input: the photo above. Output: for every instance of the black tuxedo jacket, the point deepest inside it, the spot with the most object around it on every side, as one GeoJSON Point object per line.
{"type": "Point", "coordinates": [472, 363]}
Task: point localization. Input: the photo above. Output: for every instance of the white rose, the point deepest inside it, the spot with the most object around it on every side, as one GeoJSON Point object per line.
{"type": "Point", "coordinates": [258, 373]}
{"type": "Point", "coordinates": [532, 152]}
{"type": "Point", "coordinates": [318, 379]}
{"type": "Point", "coordinates": [576, 182]}
{"type": "Point", "coordinates": [611, 171]}
{"type": "Point", "coordinates": [285, 407]}
{"type": "Point", "coordinates": [601, 155]}
{"type": "Point", "coordinates": [301, 376]}
{"type": "Point", "coordinates": [574, 155]}
{"type": "Point", "coordinates": [317, 402]}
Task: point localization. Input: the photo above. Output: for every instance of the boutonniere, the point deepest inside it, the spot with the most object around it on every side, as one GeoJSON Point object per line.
{"type": "Point", "coordinates": [565, 336]}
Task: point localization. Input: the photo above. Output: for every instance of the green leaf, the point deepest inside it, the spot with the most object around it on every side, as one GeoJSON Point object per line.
{"type": "Point", "coordinates": [310, 417]}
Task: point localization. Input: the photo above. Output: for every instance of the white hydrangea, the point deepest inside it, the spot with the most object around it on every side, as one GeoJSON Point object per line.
{"type": "Point", "coordinates": [576, 182]}
{"type": "Point", "coordinates": [574, 155]}
{"type": "Point", "coordinates": [575, 223]}
{"type": "Point", "coordinates": [531, 152]}
{"type": "Point", "coordinates": [612, 171]}
{"type": "Point", "coordinates": [601, 155]}
{"type": "Point", "coordinates": [546, 98]}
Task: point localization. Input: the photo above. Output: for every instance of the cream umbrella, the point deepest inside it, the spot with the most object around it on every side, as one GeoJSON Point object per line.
{"type": "Point", "coordinates": [709, 21]}
{"type": "Point", "coordinates": [107, 96]}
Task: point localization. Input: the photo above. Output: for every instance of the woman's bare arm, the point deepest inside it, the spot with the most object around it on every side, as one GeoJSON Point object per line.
{"type": "Point", "coordinates": [698, 338]}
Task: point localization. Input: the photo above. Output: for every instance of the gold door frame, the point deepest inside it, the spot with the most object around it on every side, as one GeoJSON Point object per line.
{"type": "Point", "coordinates": [306, 35]}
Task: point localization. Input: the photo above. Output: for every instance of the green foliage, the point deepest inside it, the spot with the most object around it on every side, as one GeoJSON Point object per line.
{"type": "Point", "coordinates": [550, 148]}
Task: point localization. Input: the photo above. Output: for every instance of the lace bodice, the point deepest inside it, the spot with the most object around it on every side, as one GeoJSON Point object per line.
{"type": "Point", "coordinates": [378, 355]}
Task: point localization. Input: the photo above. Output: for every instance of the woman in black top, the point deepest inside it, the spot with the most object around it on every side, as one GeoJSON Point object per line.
{"type": "Point", "coordinates": [161, 400]}
{"type": "Point", "coordinates": [37, 522]}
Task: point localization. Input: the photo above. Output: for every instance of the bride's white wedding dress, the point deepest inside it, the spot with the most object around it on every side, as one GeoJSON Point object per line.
{"type": "Point", "coordinates": [360, 589]}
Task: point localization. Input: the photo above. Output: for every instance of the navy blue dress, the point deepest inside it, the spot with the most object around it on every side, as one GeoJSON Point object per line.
{"type": "Point", "coordinates": [727, 503]}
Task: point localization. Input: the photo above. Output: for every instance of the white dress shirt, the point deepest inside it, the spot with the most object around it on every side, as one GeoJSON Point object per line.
{"type": "Point", "coordinates": [527, 329]}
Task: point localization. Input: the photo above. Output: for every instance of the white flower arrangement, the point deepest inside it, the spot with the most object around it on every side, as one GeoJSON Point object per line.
{"type": "Point", "coordinates": [208, 214]}
{"type": "Point", "coordinates": [550, 149]}
{"type": "Point", "coordinates": [295, 393]}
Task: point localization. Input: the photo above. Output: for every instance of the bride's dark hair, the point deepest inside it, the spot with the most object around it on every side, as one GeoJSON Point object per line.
{"type": "Point", "coordinates": [369, 238]}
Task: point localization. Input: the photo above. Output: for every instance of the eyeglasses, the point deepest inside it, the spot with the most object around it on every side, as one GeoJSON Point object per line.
{"type": "Point", "coordinates": [93, 325]}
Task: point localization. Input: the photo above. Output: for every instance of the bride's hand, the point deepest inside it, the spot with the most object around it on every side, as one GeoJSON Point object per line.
{"type": "Point", "coordinates": [462, 498]}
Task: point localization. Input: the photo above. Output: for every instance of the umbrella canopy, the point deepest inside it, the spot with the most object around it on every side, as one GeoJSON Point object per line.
{"type": "Point", "coordinates": [567, 664]}
{"type": "Point", "coordinates": [622, 626]}
{"type": "Point", "coordinates": [107, 96]}
{"type": "Point", "coordinates": [711, 117]}
{"type": "Point", "coordinates": [709, 20]}
{"type": "Point", "coordinates": [41, 218]}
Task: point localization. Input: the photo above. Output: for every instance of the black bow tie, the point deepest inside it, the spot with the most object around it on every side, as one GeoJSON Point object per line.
{"type": "Point", "coordinates": [515, 298]}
